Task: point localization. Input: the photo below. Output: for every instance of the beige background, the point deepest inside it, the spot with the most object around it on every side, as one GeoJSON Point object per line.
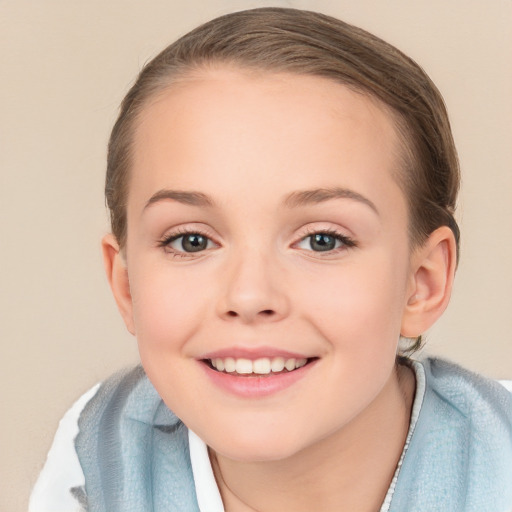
{"type": "Point", "coordinates": [64, 68]}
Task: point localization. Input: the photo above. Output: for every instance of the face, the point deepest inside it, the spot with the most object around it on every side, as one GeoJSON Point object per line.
{"type": "Point", "coordinates": [267, 257]}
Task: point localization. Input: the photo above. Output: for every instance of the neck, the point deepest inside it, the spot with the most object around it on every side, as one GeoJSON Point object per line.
{"type": "Point", "coordinates": [349, 470]}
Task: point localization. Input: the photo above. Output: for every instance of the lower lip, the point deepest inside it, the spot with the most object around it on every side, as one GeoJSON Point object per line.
{"type": "Point", "coordinates": [256, 386]}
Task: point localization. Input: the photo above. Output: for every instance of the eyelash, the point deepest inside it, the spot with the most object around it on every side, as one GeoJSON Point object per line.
{"type": "Point", "coordinates": [346, 241]}
{"type": "Point", "coordinates": [180, 233]}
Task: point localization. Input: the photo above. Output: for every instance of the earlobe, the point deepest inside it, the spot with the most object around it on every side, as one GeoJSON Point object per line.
{"type": "Point", "coordinates": [117, 275]}
{"type": "Point", "coordinates": [431, 280]}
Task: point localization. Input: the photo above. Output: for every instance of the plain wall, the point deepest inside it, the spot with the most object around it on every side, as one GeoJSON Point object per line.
{"type": "Point", "coordinates": [64, 68]}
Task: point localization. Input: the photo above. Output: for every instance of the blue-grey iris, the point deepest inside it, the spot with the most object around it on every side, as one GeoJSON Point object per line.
{"type": "Point", "coordinates": [194, 242]}
{"type": "Point", "coordinates": [322, 242]}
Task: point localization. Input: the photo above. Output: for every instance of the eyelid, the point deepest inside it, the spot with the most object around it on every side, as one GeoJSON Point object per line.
{"type": "Point", "coordinates": [312, 228]}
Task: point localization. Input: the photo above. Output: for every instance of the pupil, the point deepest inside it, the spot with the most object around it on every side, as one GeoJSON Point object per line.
{"type": "Point", "coordinates": [194, 243]}
{"type": "Point", "coordinates": [322, 242]}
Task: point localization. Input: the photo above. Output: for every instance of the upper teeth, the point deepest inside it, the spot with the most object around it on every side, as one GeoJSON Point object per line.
{"type": "Point", "coordinates": [260, 366]}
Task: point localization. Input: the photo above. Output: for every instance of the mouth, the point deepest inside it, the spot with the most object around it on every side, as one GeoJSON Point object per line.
{"type": "Point", "coordinates": [264, 366]}
{"type": "Point", "coordinates": [256, 374]}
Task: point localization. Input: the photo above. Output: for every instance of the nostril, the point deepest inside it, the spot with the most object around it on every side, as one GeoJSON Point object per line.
{"type": "Point", "coordinates": [251, 315]}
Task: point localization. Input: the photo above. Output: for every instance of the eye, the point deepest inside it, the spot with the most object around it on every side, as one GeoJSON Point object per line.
{"type": "Point", "coordinates": [188, 242]}
{"type": "Point", "coordinates": [324, 241]}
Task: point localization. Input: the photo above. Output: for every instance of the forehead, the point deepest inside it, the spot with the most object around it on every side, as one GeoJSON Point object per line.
{"type": "Point", "coordinates": [225, 125]}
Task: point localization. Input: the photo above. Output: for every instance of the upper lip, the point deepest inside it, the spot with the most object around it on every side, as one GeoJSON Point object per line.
{"type": "Point", "coordinates": [253, 353]}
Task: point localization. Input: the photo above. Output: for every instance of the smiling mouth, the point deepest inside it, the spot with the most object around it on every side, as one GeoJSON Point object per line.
{"type": "Point", "coordinates": [257, 367]}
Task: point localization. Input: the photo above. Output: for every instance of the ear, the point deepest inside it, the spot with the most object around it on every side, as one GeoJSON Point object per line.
{"type": "Point", "coordinates": [117, 275]}
{"type": "Point", "coordinates": [430, 284]}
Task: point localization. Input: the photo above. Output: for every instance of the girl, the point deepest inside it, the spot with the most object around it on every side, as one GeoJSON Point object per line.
{"type": "Point", "coordinates": [282, 188]}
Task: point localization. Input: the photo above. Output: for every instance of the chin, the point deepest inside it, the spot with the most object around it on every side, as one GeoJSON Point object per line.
{"type": "Point", "coordinates": [261, 446]}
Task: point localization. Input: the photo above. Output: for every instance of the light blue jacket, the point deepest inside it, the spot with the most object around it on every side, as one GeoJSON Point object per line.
{"type": "Point", "coordinates": [135, 456]}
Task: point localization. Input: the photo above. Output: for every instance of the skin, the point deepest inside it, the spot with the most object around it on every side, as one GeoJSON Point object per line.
{"type": "Point", "coordinates": [250, 143]}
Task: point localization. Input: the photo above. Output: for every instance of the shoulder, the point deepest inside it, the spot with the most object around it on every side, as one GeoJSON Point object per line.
{"type": "Point", "coordinates": [132, 449]}
{"type": "Point", "coordinates": [61, 483]}
{"type": "Point", "coordinates": [475, 409]}
{"type": "Point", "coordinates": [57, 487]}
{"type": "Point", "coordinates": [105, 446]}
{"type": "Point", "coordinates": [485, 401]}
{"type": "Point", "coordinates": [460, 455]}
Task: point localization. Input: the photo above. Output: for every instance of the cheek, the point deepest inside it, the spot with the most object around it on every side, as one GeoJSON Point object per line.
{"type": "Point", "coordinates": [167, 313]}
{"type": "Point", "coordinates": [166, 306]}
{"type": "Point", "coordinates": [358, 307]}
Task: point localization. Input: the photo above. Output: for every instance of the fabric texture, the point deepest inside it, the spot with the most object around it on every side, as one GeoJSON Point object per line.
{"type": "Point", "coordinates": [460, 455]}
{"type": "Point", "coordinates": [134, 451]}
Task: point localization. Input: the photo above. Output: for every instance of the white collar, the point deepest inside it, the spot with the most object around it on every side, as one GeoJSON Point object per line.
{"type": "Point", "coordinates": [207, 492]}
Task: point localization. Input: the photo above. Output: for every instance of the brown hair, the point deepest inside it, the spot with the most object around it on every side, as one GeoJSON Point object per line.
{"type": "Point", "coordinates": [309, 43]}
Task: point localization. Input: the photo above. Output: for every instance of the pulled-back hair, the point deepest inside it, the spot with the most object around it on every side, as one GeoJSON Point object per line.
{"type": "Point", "coordinates": [309, 43]}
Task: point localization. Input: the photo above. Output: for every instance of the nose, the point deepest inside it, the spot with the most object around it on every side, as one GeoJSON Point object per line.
{"type": "Point", "coordinates": [254, 290]}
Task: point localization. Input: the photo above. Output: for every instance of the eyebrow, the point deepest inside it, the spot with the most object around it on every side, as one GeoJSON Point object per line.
{"type": "Point", "coordinates": [294, 200]}
{"type": "Point", "coordinates": [319, 195]}
{"type": "Point", "coordinates": [185, 197]}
